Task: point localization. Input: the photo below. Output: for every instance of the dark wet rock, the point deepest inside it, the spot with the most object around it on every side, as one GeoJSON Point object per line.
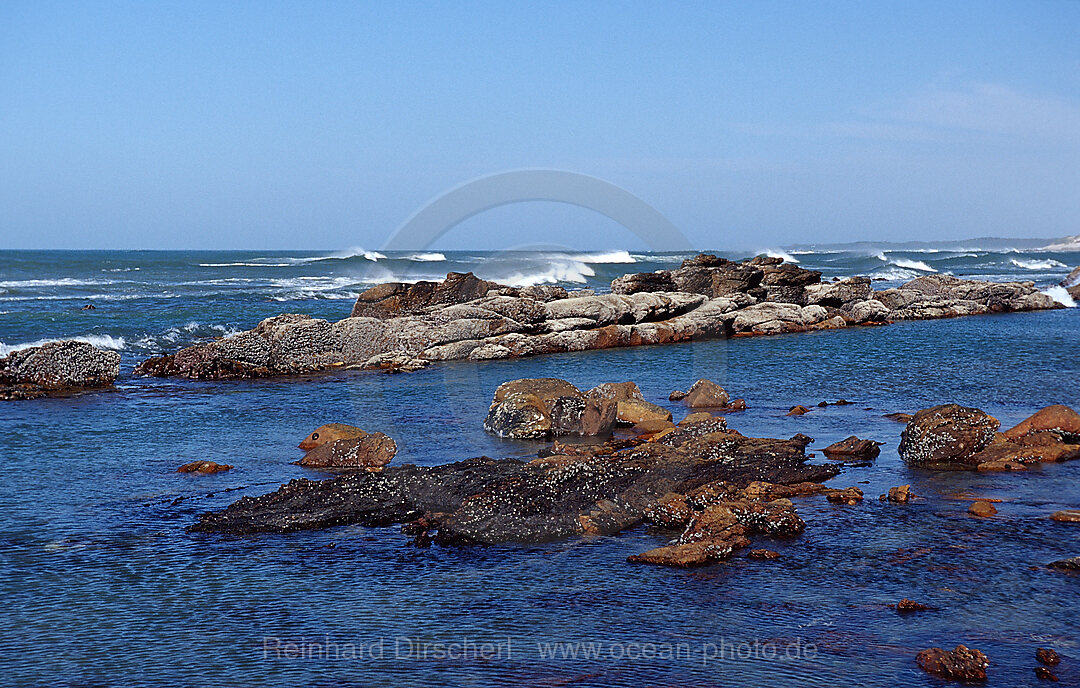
{"type": "Point", "coordinates": [329, 433]}
{"type": "Point", "coordinates": [369, 451]}
{"type": "Point", "coordinates": [899, 417]}
{"type": "Point", "coordinates": [961, 664]}
{"type": "Point", "coordinates": [1066, 516]}
{"type": "Point", "coordinates": [764, 554]}
{"type": "Point", "coordinates": [394, 299]}
{"type": "Point", "coordinates": [520, 415]}
{"type": "Point", "coordinates": [898, 495]}
{"type": "Point", "coordinates": [1045, 674]}
{"type": "Point", "coordinates": [1070, 564]}
{"type": "Point", "coordinates": [589, 491]}
{"type": "Point", "coordinates": [946, 435]}
{"type": "Point", "coordinates": [798, 410]}
{"type": "Point", "coordinates": [982, 508]}
{"type": "Point", "coordinates": [1047, 656]}
{"type": "Point", "coordinates": [853, 447]}
{"type": "Point", "coordinates": [203, 467]}
{"type": "Point", "coordinates": [906, 605]}
{"type": "Point", "coordinates": [56, 367]}
{"type": "Point", "coordinates": [89, 307]}
{"type": "Point", "coordinates": [704, 394]}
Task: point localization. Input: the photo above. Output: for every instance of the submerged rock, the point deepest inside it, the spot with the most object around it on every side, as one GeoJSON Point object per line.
{"type": "Point", "coordinates": [798, 410]}
{"type": "Point", "coordinates": [1066, 516]}
{"type": "Point", "coordinates": [703, 394]}
{"type": "Point", "coordinates": [898, 495]}
{"type": "Point", "coordinates": [1070, 564]}
{"type": "Point", "coordinates": [961, 664]}
{"type": "Point", "coordinates": [906, 605]}
{"type": "Point", "coordinates": [56, 367]}
{"type": "Point", "coordinates": [982, 509]}
{"type": "Point", "coordinates": [204, 467]}
{"type": "Point", "coordinates": [1047, 656]}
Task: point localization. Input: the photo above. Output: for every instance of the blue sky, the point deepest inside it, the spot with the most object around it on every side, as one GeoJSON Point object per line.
{"type": "Point", "coordinates": [325, 125]}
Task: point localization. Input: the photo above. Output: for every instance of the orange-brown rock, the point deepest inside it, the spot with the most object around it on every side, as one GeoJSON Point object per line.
{"type": "Point", "coordinates": [852, 448]}
{"type": "Point", "coordinates": [764, 554]}
{"type": "Point", "coordinates": [1047, 656]}
{"type": "Point", "coordinates": [653, 426]}
{"type": "Point", "coordinates": [203, 467]}
{"type": "Point", "coordinates": [899, 495]}
{"type": "Point", "coordinates": [371, 451]}
{"type": "Point", "coordinates": [329, 433]}
{"type": "Point", "coordinates": [982, 508]}
{"type": "Point", "coordinates": [1057, 419]}
{"type": "Point", "coordinates": [797, 410]}
{"type": "Point", "coordinates": [906, 605]}
{"type": "Point", "coordinates": [849, 495]}
{"type": "Point", "coordinates": [1066, 516]}
{"type": "Point", "coordinates": [705, 394]}
{"type": "Point", "coordinates": [961, 664]}
{"type": "Point", "coordinates": [690, 554]}
{"type": "Point", "coordinates": [635, 411]}
{"type": "Point", "coordinates": [946, 435]}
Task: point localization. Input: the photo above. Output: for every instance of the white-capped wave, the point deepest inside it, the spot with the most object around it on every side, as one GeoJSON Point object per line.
{"type": "Point", "coordinates": [912, 264]}
{"type": "Point", "coordinates": [1038, 264]}
{"type": "Point", "coordinates": [184, 334]}
{"type": "Point", "coordinates": [604, 257]}
{"type": "Point", "coordinates": [569, 271]}
{"type": "Point", "coordinates": [786, 257]}
{"type": "Point", "coordinates": [894, 274]}
{"type": "Point", "coordinates": [355, 252]}
{"type": "Point", "coordinates": [245, 265]}
{"type": "Point", "coordinates": [102, 341]}
{"type": "Point", "coordinates": [62, 282]}
{"type": "Point", "coordinates": [427, 257]}
{"type": "Point", "coordinates": [1059, 294]}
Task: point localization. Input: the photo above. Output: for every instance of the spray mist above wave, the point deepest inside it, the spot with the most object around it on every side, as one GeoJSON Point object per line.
{"type": "Point", "coordinates": [1061, 295]}
{"type": "Point", "coordinates": [1038, 264]}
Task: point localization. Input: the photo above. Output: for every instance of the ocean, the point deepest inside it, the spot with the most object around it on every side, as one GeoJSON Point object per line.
{"type": "Point", "coordinates": [104, 586]}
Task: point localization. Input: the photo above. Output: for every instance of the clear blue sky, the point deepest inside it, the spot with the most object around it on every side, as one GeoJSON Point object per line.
{"type": "Point", "coordinates": [324, 125]}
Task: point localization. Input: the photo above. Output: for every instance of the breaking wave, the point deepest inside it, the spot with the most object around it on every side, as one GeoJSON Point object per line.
{"type": "Point", "coordinates": [1059, 294]}
{"type": "Point", "coordinates": [1048, 264]}
{"type": "Point", "coordinates": [427, 257]}
{"type": "Point", "coordinates": [102, 341]}
{"type": "Point", "coordinates": [605, 257]}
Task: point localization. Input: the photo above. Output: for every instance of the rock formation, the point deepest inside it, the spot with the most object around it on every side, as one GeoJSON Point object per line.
{"type": "Point", "coordinates": [403, 326]}
{"type": "Point", "coordinates": [56, 367]}
{"type": "Point", "coordinates": [961, 664]}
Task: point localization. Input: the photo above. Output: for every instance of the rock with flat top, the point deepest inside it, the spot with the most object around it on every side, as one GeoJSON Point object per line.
{"type": "Point", "coordinates": [56, 367]}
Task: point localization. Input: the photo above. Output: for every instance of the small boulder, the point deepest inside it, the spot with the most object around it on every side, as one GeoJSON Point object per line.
{"type": "Point", "coordinates": [697, 417]}
{"type": "Point", "coordinates": [616, 391]}
{"type": "Point", "coordinates": [203, 467]}
{"type": "Point", "coordinates": [853, 447]}
{"type": "Point", "coordinates": [946, 435]}
{"type": "Point", "coordinates": [905, 605]}
{"type": "Point", "coordinates": [1045, 674]}
{"type": "Point", "coordinates": [899, 417]}
{"type": "Point", "coordinates": [56, 367]}
{"type": "Point", "coordinates": [373, 450]}
{"type": "Point", "coordinates": [898, 495]}
{"type": "Point", "coordinates": [519, 415]}
{"type": "Point", "coordinates": [330, 433]}
{"type": "Point", "coordinates": [706, 394]}
{"type": "Point", "coordinates": [797, 410]}
{"type": "Point", "coordinates": [849, 495]}
{"type": "Point", "coordinates": [635, 411]}
{"type": "Point", "coordinates": [982, 509]}
{"type": "Point", "coordinates": [1066, 516]}
{"type": "Point", "coordinates": [1047, 656]}
{"type": "Point", "coordinates": [960, 664]}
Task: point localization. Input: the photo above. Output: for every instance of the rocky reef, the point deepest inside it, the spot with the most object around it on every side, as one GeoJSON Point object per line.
{"type": "Point", "coordinates": [399, 326]}
{"type": "Point", "coordinates": [56, 367]}
{"type": "Point", "coordinates": [709, 485]}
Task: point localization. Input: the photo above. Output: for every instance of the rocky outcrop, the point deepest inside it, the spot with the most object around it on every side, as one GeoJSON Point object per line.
{"type": "Point", "coordinates": [56, 367]}
{"type": "Point", "coordinates": [952, 436]}
{"type": "Point", "coordinates": [1072, 283]}
{"type": "Point", "coordinates": [703, 394]}
{"type": "Point", "coordinates": [204, 467]}
{"type": "Point", "coordinates": [961, 664]}
{"type": "Point", "coordinates": [400, 327]}
{"type": "Point", "coordinates": [329, 433]}
{"type": "Point", "coordinates": [571, 490]}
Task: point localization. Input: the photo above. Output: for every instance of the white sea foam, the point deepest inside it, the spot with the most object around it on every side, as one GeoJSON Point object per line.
{"type": "Point", "coordinates": [62, 282]}
{"type": "Point", "coordinates": [245, 265]}
{"type": "Point", "coordinates": [604, 257]}
{"type": "Point", "coordinates": [568, 271]}
{"type": "Point", "coordinates": [912, 264]}
{"type": "Point", "coordinates": [1038, 264]}
{"type": "Point", "coordinates": [102, 341]}
{"type": "Point", "coordinates": [428, 257]}
{"type": "Point", "coordinates": [787, 258]}
{"type": "Point", "coordinates": [894, 274]}
{"type": "Point", "coordinates": [1059, 294]}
